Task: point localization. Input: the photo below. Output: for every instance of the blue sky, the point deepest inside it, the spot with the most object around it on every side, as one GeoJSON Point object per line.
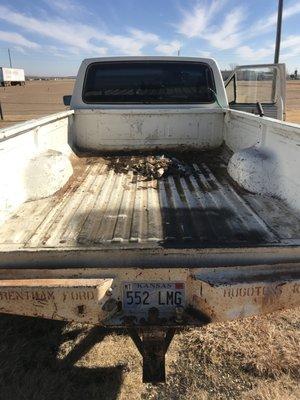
{"type": "Point", "coordinates": [51, 37]}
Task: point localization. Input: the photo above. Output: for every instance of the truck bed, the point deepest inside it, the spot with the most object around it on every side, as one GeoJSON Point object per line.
{"type": "Point", "coordinates": [101, 207]}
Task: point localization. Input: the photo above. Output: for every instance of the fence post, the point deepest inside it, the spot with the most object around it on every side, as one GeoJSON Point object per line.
{"type": "Point", "coordinates": [1, 112]}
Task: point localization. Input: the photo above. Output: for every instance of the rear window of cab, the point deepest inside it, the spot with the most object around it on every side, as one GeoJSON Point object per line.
{"type": "Point", "coordinates": [148, 82]}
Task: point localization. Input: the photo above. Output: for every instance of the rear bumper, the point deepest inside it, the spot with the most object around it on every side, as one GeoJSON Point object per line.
{"type": "Point", "coordinates": [94, 295]}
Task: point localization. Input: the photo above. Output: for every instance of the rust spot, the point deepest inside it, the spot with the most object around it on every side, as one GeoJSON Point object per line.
{"type": "Point", "coordinates": [202, 306]}
{"type": "Point", "coordinates": [81, 309]}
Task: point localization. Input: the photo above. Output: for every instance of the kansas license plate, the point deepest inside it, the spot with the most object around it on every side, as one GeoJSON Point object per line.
{"type": "Point", "coordinates": [143, 295]}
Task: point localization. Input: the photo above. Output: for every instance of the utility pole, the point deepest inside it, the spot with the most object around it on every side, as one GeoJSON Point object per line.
{"type": "Point", "coordinates": [9, 58]}
{"type": "Point", "coordinates": [178, 52]}
{"type": "Point", "coordinates": [278, 33]}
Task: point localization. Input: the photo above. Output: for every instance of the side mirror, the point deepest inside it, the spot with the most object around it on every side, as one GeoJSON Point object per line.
{"type": "Point", "coordinates": [67, 100]}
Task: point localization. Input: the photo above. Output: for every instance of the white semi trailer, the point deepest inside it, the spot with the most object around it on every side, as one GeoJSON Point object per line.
{"type": "Point", "coordinates": [12, 76]}
{"type": "Point", "coordinates": [89, 233]}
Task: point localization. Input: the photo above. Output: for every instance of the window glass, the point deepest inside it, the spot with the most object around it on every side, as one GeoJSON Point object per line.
{"type": "Point", "coordinates": [255, 84]}
{"type": "Point", "coordinates": [148, 82]}
{"type": "Point", "coordinates": [230, 91]}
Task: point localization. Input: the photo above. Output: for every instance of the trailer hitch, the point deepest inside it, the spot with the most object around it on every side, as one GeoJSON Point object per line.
{"type": "Point", "coordinates": [153, 344]}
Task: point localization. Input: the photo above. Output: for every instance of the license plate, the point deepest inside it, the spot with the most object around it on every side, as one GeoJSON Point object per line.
{"type": "Point", "coordinates": [144, 295]}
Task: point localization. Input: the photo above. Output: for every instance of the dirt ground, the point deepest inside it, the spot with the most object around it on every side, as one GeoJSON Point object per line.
{"type": "Point", "coordinates": [35, 99]}
{"type": "Point", "coordinates": [253, 359]}
{"type": "Point", "coordinates": [38, 98]}
{"type": "Point", "coordinates": [293, 101]}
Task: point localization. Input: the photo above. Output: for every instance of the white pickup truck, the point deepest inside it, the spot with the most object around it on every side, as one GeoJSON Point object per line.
{"type": "Point", "coordinates": [158, 202]}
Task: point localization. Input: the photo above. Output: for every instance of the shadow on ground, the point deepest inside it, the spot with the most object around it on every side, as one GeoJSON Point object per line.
{"type": "Point", "coordinates": [30, 366]}
{"type": "Point", "coordinates": [253, 359]}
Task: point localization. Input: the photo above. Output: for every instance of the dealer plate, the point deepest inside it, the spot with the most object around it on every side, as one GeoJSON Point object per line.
{"type": "Point", "coordinates": [138, 296]}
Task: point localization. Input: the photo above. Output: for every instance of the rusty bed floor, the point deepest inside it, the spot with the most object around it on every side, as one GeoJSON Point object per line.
{"type": "Point", "coordinates": [102, 207]}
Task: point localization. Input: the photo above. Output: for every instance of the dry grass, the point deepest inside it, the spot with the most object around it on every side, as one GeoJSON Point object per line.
{"type": "Point", "coordinates": [255, 359]}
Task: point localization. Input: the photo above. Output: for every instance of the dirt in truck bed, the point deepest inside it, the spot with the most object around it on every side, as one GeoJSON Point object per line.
{"type": "Point", "coordinates": [162, 165]}
{"type": "Point", "coordinates": [150, 167]}
{"type": "Point", "coordinates": [113, 202]}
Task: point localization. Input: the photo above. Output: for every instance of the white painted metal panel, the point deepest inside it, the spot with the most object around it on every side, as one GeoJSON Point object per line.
{"type": "Point", "coordinates": [21, 143]}
{"type": "Point", "coordinates": [108, 130]}
{"type": "Point", "coordinates": [78, 300]}
{"type": "Point", "coordinates": [267, 155]}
